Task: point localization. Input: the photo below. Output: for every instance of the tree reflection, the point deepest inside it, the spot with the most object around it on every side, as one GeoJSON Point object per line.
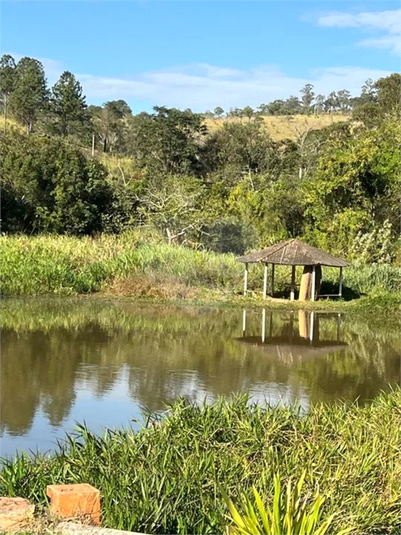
{"type": "Point", "coordinates": [50, 349]}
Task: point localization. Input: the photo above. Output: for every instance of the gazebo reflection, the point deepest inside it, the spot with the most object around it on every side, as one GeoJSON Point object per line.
{"type": "Point", "coordinates": [297, 341]}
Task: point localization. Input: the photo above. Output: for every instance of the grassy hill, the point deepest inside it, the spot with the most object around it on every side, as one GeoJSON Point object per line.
{"type": "Point", "coordinates": [285, 126]}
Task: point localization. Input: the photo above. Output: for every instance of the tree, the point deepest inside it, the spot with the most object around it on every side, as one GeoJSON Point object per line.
{"type": "Point", "coordinates": [331, 103]}
{"type": "Point", "coordinates": [343, 98]}
{"type": "Point", "coordinates": [110, 123]}
{"type": "Point", "coordinates": [356, 186]}
{"type": "Point", "coordinates": [389, 94]}
{"type": "Point", "coordinates": [219, 112]}
{"type": "Point", "coordinates": [7, 82]}
{"type": "Point", "coordinates": [319, 103]}
{"type": "Point", "coordinates": [292, 105]}
{"type": "Point", "coordinates": [52, 187]}
{"type": "Point", "coordinates": [30, 94]}
{"type": "Point", "coordinates": [168, 140]}
{"type": "Point", "coordinates": [248, 112]}
{"type": "Point", "coordinates": [67, 104]}
{"type": "Point", "coordinates": [262, 109]}
{"type": "Point", "coordinates": [307, 97]}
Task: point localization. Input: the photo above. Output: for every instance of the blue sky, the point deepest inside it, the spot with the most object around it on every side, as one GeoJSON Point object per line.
{"type": "Point", "coordinates": [203, 54]}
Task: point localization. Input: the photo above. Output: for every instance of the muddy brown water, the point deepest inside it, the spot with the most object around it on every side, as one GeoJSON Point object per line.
{"type": "Point", "coordinates": [101, 362]}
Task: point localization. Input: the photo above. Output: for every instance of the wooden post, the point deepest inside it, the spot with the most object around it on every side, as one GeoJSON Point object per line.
{"type": "Point", "coordinates": [263, 325]}
{"type": "Point", "coordinates": [246, 279]}
{"type": "Point", "coordinates": [340, 286]}
{"type": "Point", "coordinates": [272, 281]}
{"type": "Point", "coordinates": [93, 145]}
{"type": "Point", "coordinates": [313, 297]}
{"type": "Point", "coordinates": [243, 322]}
{"type": "Point", "coordinates": [292, 294]}
{"type": "Point", "coordinates": [265, 282]}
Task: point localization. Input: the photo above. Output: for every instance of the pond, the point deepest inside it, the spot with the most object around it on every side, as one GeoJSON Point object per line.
{"type": "Point", "coordinates": [102, 362]}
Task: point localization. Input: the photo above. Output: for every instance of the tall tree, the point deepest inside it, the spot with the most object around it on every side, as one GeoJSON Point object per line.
{"type": "Point", "coordinates": [30, 93]}
{"type": "Point", "coordinates": [7, 82]}
{"type": "Point", "coordinates": [67, 104]}
{"type": "Point", "coordinates": [307, 96]}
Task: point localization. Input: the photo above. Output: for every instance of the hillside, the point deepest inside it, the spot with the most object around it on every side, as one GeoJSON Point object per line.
{"type": "Point", "coordinates": [284, 126]}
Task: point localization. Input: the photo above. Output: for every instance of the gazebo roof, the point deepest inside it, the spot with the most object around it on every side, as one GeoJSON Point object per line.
{"type": "Point", "coordinates": [293, 253]}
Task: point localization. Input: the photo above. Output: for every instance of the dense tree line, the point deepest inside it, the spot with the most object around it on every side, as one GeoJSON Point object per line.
{"type": "Point", "coordinates": [229, 189]}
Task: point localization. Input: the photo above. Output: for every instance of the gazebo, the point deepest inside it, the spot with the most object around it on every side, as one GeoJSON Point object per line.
{"type": "Point", "coordinates": [295, 253]}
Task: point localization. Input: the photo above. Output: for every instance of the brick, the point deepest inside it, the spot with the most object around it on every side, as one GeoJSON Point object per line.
{"type": "Point", "coordinates": [75, 501]}
{"type": "Point", "coordinates": [15, 513]}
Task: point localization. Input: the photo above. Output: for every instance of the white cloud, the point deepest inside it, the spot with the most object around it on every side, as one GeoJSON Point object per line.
{"type": "Point", "coordinates": [203, 86]}
{"type": "Point", "coordinates": [386, 23]}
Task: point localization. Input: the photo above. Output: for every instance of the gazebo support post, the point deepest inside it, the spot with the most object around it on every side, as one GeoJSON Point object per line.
{"type": "Point", "coordinates": [292, 294]}
{"type": "Point", "coordinates": [313, 291]}
{"type": "Point", "coordinates": [246, 279]}
{"type": "Point", "coordinates": [340, 285]}
{"type": "Point", "coordinates": [272, 281]}
{"type": "Point", "coordinates": [265, 282]}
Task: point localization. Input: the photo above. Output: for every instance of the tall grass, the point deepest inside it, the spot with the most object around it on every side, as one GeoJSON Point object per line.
{"type": "Point", "coordinates": [135, 263]}
{"type": "Point", "coordinates": [167, 477]}
{"type": "Point", "coordinates": [68, 265]}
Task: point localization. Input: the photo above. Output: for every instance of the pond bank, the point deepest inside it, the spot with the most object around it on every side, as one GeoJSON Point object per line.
{"type": "Point", "coordinates": [167, 477]}
{"type": "Point", "coordinates": [126, 267]}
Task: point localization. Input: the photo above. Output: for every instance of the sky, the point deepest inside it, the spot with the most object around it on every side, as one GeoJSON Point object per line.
{"type": "Point", "coordinates": [200, 54]}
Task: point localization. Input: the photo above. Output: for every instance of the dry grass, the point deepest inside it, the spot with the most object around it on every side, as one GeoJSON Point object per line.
{"type": "Point", "coordinates": [153, 286]}
{"type": "Point", "coordinates": [284, 126]}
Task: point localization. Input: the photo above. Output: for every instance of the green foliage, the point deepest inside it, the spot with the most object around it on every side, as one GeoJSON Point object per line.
{"type": "Point", "coordinates": [55, 187]}
{"type": "Point", "coordinates": [355, 188]}
{"type": "Point", "coordinates": [64, 265]}
{"type": "Point", "coordinates": [289, 515]}
{"type": "Point", "coordinates": [190, 177]}
{"type": "Point", "coordinates": [68, 105]}
{"type": "Point", "coordinates": [29, 95]}
{"type": "Point", "coordinates": [167, 478]}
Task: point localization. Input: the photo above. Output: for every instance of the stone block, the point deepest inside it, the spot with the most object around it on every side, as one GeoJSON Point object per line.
{"type": "Point", "coordinates": [80, 501]}
{"type": "Point", "coordinates": [15, 513]}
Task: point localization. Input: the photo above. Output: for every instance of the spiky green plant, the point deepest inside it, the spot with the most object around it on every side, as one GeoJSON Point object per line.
{"type": "Point", "coordinates": [289, 515]}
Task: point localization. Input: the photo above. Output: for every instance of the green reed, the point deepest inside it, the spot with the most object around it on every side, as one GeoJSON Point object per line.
{"type": "Point", "coordinates": [167, 477]}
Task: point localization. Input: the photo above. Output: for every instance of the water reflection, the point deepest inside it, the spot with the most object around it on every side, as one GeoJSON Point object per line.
{"type": "Point", "coordinates": [67, 361]}
{"type": "Point", "coordinates": [293, 342]}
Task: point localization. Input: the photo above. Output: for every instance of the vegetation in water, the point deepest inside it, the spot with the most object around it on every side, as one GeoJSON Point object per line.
{"type": "Point", "coordinates": [167, 477]}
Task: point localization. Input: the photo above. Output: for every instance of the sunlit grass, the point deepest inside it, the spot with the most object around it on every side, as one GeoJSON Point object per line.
{"type": "Point", "coordinates": [167, 478]}
{"type": "Point", "coordinates": [284, 126]}
{"type": "Point", "coordinates": [140, 264]}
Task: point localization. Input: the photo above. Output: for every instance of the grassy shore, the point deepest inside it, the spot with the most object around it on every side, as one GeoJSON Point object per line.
{"type": "Point", "coordinates": [167, 478]}
{"type": "Point", "coordinates": [131, 266]}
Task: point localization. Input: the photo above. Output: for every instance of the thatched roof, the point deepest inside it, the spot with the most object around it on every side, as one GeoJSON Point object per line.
{"type": "Point", "coordinates": [294, 253]}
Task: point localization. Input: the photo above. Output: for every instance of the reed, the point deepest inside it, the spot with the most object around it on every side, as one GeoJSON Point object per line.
{"type": "Point", "coordinates": [167, 477]}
